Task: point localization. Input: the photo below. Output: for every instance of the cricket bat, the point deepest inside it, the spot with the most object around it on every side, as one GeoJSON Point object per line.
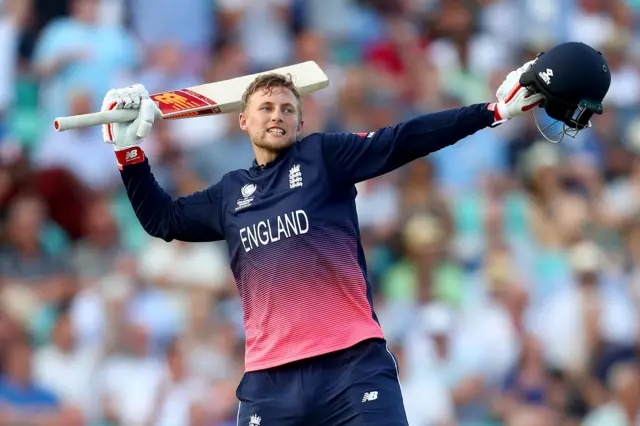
{"type": "Point", "coordinates": [220, 97]}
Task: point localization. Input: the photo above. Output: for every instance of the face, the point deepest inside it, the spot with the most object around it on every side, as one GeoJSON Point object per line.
{"type": "Point", "coordinates": [272, 119]}
{"type": "Point", "coordinates": [18, 363]}
{"type": "Point", "coordinates": [63, 333]}
{"type": "Point", "coordinates": [85, 10]}
{"type": "Point", "coordinates": [25, 221]}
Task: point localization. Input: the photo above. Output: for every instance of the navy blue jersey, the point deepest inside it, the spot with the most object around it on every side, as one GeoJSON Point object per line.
{"type": "Point", "coordinates": [292, 232]}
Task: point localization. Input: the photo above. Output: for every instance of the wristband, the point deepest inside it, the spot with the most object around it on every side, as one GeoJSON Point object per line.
{"type": "Point", "coordinates": [128, 156]}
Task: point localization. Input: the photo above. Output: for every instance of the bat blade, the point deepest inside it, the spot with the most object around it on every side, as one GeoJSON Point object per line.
{"type": "Point", "coordinates": [219, 97]}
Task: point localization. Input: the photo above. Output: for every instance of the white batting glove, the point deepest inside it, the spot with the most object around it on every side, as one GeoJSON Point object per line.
{"type": "Point", "coordinates": [126, 136]}
{"type": "Point", "coordinates": [513, 99]}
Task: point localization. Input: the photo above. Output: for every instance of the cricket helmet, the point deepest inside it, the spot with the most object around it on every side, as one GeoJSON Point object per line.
{"type": "Point", "coordinates": [574, 78]}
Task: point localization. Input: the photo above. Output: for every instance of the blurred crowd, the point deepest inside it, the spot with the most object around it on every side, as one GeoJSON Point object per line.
{"type": "Point", "coordinates": [506, 269]}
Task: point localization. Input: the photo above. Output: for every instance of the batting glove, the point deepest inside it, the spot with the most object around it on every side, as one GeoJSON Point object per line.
{"type": "Point", "coordinates": [513, 99]}
{"type": "Point", "coordinates": [126, 136]}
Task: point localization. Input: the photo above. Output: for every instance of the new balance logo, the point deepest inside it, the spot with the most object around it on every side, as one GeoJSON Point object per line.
{"type": "Point", "coordinates": [295, 176]}
{"type": "Point", "coordinates": [546, 75]}
{"type": "Point", "coordinates": [131, 155]}
{"type": "Point", "coordinates": [370, 396]}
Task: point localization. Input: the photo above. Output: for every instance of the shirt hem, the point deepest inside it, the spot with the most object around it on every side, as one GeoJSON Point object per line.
{"type": "Point", "coordinates": [307, 355]}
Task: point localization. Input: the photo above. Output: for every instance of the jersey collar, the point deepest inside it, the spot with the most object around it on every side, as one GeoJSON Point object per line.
{"type": "Point", "coordinates": [258, 168]}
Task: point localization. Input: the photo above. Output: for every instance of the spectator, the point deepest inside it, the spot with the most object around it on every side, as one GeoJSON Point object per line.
{"type": "Point", "coordinates": [35, 279]}
{"type": "Point", "coordinates": [69, 369]}
{"type": "Point", "coordinates": [92, 164]}
{"type": "Point", "coordinates": [96, 254]}
{"type": "Point", "coordinates": [624, 406]}
{"type": "Point", "coordinates": [131, 378]}
{"type": "Point", "coordinates": [577, 319]}
{"type": "Point", "coordinates": [181, 391]}
{"type": "Point", "coordinates": [528, 384]}
{"type": "Point", "coordinates": [21, 400]}
{"type": "Point", "coordinates": [78, 52]}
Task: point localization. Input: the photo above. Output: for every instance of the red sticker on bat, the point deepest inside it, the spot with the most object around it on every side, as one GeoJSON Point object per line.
{"type": "Point", "coordinates": [180, 100]}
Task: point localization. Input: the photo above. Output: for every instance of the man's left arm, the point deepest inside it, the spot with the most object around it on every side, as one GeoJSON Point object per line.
{"type": "Point", "coordinates": [354, 157]}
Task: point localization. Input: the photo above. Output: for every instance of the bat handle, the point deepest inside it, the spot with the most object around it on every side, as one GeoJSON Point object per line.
{"type": "Point", "coordinates": [82, 121]}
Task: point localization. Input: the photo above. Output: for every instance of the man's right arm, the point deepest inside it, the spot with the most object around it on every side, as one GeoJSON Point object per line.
{"type": "Point", "coordinates": [193, 218]}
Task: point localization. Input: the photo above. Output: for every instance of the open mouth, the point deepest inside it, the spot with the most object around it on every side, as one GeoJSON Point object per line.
{"type": "Point", "coordinates": [276, 131]}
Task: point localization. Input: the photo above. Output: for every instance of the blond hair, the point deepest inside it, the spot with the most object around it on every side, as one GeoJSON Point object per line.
{"type": "Point", "coordinates": [268, 83]}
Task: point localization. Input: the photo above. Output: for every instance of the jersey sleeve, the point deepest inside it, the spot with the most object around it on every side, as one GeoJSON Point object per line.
{"type": "Point", "coordinates": [193, 218]}
{"type": "Point", "coordinates": [354, 157]}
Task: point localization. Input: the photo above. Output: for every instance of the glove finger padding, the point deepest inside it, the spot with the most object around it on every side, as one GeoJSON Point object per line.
{"type": "Point", "coordinates": [523, 99]}
{"type": "Point", "coordinates": [127, 100]}
{"type": "Point", "coordinates": [146, 118]}
{"type": "Point", "coordinates": [138, 92]}
{"type": "Point", "coordinates": [510, 84]}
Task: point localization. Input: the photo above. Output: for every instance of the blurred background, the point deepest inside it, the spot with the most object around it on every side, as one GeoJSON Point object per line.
{"type": "Point", "coordinates": [506, 269]}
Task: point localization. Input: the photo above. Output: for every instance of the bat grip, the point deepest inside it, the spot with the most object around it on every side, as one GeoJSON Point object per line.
{"type": "Point", "coordinates": [82, 121]}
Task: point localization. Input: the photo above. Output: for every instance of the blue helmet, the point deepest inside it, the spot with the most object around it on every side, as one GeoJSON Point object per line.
{"type": "Point", "coordinates": [574, 78]}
